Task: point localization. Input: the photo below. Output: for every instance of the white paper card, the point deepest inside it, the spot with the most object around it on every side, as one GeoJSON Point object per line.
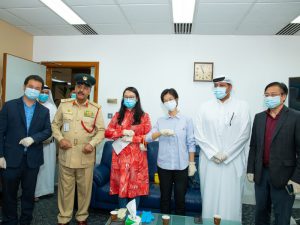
{"type": "Point", "coordinates": [66, 127]}
{"type": "Point", "coordinates": [119, 145]}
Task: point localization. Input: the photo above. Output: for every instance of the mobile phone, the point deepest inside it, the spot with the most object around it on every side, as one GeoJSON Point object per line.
{"type": "Point", "coordinates": [198, 220]}
{"type": "Point", "coordinates": [289, 188]}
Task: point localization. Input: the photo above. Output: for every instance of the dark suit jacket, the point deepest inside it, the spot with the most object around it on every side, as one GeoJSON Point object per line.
{"type": "Point", "coordinates": [13, 129]}
{"type": "Point", "coordinates": [284, 161]}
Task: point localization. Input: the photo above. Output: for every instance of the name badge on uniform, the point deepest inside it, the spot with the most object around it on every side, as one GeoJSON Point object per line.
{"type": "Point", "coordinates": [66, 127]}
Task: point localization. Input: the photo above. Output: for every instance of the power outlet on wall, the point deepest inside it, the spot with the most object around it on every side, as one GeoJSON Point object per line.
{"type": "Point", "coordinates": [109, 115]}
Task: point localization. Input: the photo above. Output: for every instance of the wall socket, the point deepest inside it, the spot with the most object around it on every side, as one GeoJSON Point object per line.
{"type": "Point", "coordinates": [109, 115]}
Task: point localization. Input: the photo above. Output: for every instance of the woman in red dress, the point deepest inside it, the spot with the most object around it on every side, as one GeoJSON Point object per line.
{"type": "Point", "coordinates": [129, 169]}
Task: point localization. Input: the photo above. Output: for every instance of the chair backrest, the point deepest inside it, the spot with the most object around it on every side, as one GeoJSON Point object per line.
{"type": "Point", "coordinates": [106, 154]}
{"type": "Point", "coordinates": [152, 151]}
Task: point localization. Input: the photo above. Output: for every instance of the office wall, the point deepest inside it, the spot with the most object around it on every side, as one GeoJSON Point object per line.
{"type": "Point", "coordinates": [14, 41]}
{"type": "Point", "coordinates": [152, 63]}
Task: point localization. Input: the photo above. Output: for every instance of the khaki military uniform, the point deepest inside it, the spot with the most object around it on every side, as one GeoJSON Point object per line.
{"type": "Point", "coordinates": [80, 124]}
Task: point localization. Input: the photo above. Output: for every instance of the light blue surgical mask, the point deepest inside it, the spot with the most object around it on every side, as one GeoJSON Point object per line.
{"type": "Point", "coordinates": [43, 97]}
{"type": "Point", "coordinates": [32, 93]}
{"type": "Point", "coordinates": [73, 95]}
{"type": "Point", "coordinates": [129, 102]}
{"type": "Point", "coordinates": [220, 92]}
{"type": "Point", "coordinates": [272, 102]}
{"type": "Point", "coordinates": [170, 105]}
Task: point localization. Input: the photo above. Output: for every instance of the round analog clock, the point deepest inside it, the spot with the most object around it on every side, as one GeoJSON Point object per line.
{"type": "Point", "coordinates": [203, 71]}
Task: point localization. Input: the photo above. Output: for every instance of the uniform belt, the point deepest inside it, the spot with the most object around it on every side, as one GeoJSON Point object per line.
{"type": "Point", "coordinates": [78, 142]}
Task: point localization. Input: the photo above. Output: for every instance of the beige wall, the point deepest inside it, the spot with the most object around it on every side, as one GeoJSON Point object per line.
{"type": "Point", "coordinates": [14, 41]}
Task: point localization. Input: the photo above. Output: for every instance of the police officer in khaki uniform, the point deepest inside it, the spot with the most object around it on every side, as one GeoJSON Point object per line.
{"type": "Point", "coordinates": [78, 127]}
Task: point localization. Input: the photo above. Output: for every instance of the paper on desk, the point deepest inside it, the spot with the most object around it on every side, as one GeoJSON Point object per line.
{"type": "Point", "coordinates": [119, 145]}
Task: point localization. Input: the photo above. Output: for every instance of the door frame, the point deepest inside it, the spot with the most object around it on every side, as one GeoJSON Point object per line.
{"type": "Point", "coordinates": [64, 64]}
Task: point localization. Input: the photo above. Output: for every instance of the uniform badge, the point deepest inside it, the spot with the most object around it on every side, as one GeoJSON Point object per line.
{"type": "Point", "coordinates": [84, 78]}
{"type": "Point", "coordinates": [88, 113]}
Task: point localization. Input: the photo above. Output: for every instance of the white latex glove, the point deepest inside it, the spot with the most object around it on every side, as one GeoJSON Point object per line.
{"type": "Point", "coordinates": [26, 142]}
{"type": "Point", "coordinates": [250, 177]}
{"type": "Point", "coordinates": [167, 132]}
{"type": "Point", "coordinates": [127, 139]}
{"type": "Point", "coordinates": [143, 147]}
{"type": "Point", "coordinates": [129, 133]}
{"type": "Point", "coordinates": [192, 169]}
{"type": "Point", "coordinates": [221, 156]}
{"type": "Point", "coordinates": [217, 161]}
{"type": "Point", "coordinates": [296, 186]}
{"type": "Point", "coordinates": [2, 163]}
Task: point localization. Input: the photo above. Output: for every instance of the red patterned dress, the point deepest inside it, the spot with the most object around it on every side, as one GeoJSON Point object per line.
{"type": "Point", "coordinates": [129, 170]}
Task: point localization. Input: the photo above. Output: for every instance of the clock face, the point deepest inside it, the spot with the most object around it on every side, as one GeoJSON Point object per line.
{"type": "Point", "coordinates": [203, 71]}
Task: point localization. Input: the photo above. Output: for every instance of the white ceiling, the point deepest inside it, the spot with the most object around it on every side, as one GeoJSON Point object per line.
{"type": "Point", "coordinates": [212, 17]}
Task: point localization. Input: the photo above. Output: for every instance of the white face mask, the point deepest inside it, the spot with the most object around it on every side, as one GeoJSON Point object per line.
{"type": "Point", "coordinates": [170, 105]}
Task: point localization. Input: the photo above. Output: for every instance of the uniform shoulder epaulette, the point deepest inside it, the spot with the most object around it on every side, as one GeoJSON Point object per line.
{"type": "Point", "coordinates": [66, 100]}
{"type": "Point", "coordinates": [95, 104]}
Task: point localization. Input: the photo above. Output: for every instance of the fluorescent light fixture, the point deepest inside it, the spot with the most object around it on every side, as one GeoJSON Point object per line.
{"type": "Point", "coordinates": [183, 11]}
{"type": "Point", "coordinates": [297, 20]}
{"type": "Point", "coordinates": [64, 11]}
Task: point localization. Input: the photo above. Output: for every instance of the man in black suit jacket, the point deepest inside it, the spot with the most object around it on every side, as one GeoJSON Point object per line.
{"type": "Point", "coordinates": [274, 161]}
{"type": "Point", "coordinates": [24, 125]}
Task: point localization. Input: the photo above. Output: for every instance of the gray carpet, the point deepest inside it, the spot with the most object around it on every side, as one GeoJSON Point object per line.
{"type": "Point", "coordinates": [45, 213]}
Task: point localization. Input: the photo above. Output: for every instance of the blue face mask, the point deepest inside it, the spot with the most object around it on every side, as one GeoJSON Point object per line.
{"type": "Point", "coordinates": [43, 97]}
{"type": "Point", "coordinates": [73, 95]}
{"type": "Point", "coordinates": [272, 102]}
{"type": "Point", "coordinates": [220, 92]}
{"type": "Point", "coordinates": [129, 102]}
{"type": "Point", "coordinates": [31, 93]}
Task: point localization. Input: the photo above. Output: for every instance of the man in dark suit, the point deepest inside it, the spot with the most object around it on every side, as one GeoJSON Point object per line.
{"type": "Point", "coordinates": [24, 125]}
{"type": "Point", "coordinates": [274, 161]}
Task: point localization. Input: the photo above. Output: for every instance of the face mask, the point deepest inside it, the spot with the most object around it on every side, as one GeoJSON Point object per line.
{"type": "Point", "coordinates": [129, 102]}
{"type": "Point", "coordinates": [31, 93]}
{"type": "Point", "coordinates": [220, 92]}
{"type": "Point", "coordinates": [43, 97]}
{"type": "Point", "coordinates": [170, 105]}
{"type": "Point", "coordinates": [272, 102]}
{"type": "Point", "coordinates": [73, 95]}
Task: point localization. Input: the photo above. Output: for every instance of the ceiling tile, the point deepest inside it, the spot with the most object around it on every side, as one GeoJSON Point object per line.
{"type": "Point", "coordinates": [89, 2]}
{"type": "Point", "coordinates": [148, 13]}
{"type": "Point", "coordinates": [100, 14]}
{"type": "Point", "coordinates": [38, 16]}
{"type": "Point", "coordinates": [258, 29]}
{"type": "Point", "coordinates": [110, 29]}
{"type": "Point", "coordinates": [226, 1]}
{"type": "Point", "coordinates": [10, 18]}
{"type": "Point", "coordinates": [143, 1]}
{"type": "Point", "coordinates": [153, 28]}
{"type": "Point", "coordinates": [33, 30]}
{"type": "Point", "coordinates": [273, 13]}
{"type": "Point", "coordinates": [20, 3]}
{"type": "Point", "coordinates": [214, 28]}
{"type": "Point", "coordinates": [221, 13]}
{"type": "Point", "coordinates": [59, 30]}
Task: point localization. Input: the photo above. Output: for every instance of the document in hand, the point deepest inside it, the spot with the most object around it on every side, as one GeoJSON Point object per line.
{"type": "Point", "coordinates": [119, 145]}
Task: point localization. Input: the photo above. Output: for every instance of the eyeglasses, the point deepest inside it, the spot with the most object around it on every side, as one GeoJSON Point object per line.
{"type": "Point", "coordinates": [129, 97]}
{"type": "Point", "coordinates": [36, 88]}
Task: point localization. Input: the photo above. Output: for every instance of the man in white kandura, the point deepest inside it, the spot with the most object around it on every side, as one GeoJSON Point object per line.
{"type": "Point", "coordinates": [222, 132]}
{"type": "Point", "coordinates": [45, 179]}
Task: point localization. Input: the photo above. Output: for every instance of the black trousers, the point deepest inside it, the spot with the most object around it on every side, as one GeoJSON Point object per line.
{"type": "Point", "coordinates": [180, 180]}
{"type": "Point", "coordinates": [267, 195]}
{"type": "Point", "coordinates": [11, 179]}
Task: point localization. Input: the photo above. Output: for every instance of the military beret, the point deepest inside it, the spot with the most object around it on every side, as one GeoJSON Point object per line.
{"type": "Point", "coordinates": [83, 78]}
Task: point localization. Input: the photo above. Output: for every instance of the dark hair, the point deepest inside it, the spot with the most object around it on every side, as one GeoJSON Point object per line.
{"type": "Point", "coordinates": [138, 111]}
{"type": "Point", "coordinates": [170, 91]}
{"type": "Point", "coordinates": [34, 77]}
{"type": "Point", "coordinates": [282, 86]}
